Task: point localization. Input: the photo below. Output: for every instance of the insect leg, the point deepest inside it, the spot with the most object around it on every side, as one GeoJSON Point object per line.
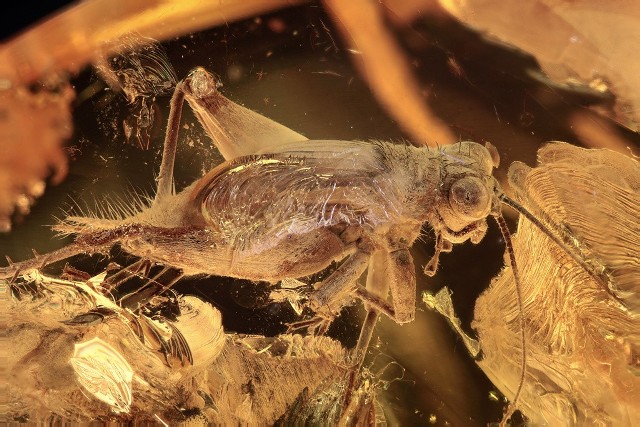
{"type": "Point", "coordinates": [399, 275]}
{"type": "Point", "coordinates": [87, 242]}
{"type": "Point", "coordinates": [329, 294]}
{"type": "Point", "coordinates": [377, 288]}
{"type": "Point", "coordinates": [235, 130]}
{"type": "Point", "coordinates": [41, 261]}
{"type": "Point", "coordinates": [392, 271]}
{"type": "Point", "coordinates": [402, 283]}
{"type": "Point", "coordinates": [442, 245]}
{"type": "Point", "coordinates": [165, 176]}
{"type": "Point", "coordinates": [161, 282]}
{"type": "Point", "coordinates": [139, 268]}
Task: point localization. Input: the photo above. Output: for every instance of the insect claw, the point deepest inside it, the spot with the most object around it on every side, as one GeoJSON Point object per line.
{"type": "Point", "coordinates": [35, 253]}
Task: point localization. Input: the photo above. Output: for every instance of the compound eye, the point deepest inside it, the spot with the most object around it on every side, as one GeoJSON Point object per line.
{"type": "Point", "coordinates": [469, 198]}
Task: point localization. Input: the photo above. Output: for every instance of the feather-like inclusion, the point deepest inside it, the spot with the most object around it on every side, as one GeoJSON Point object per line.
{"type": "Point", "coordinates": [583, 341]}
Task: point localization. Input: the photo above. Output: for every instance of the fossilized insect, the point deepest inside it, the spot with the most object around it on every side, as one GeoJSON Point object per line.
{"type": "Point", "coordinates": [283, 207]}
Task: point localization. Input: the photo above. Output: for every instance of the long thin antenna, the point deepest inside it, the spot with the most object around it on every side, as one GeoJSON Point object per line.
{"type": "Point", "coordinates": [523, 342]}
{"type": "Point", "coordinates": [570, 245]}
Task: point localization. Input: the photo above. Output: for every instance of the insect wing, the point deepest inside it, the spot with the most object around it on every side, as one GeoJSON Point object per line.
{"type": "Point", "coordinates": [259, 200]}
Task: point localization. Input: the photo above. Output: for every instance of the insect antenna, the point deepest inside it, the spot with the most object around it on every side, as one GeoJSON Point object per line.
{"type": "Point", "coordinates": [504, 230]}
{"type": "Point", "coordinates": [570, 243]}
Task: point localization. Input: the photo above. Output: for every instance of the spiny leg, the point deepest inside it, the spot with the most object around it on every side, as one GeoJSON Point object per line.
{"type": "Point", "coordinates": [86, 243]}
{"type": "Point", "coordinates": [392, 271]}
{"type": "Point", "coordinates": [165, 176]}
{"type": "Point", "coordinates": [388, 268]}
{"type": "Point", "coordinates": [327, 298]}
{"type": "Point", "coordinates": [232, 127]}
{"type": "Point", "coordinates": [235, 130]}
{"type": "Point", "coordinates": [138, 269]}
{"type": "Point", "coordinates": [328, 295]}
{"type": "Point", "coordinates": [376, 286]}
{"type": "Point", "coordinates": [40, 261]}
{"type": "Point", "coordinates": [156, 285]}
{"type": "Point", "coordinates": [399, 274]}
